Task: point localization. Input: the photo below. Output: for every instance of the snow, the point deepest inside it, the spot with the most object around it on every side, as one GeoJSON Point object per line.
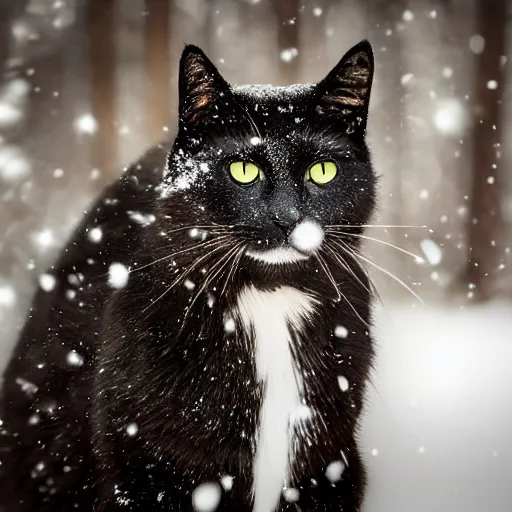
{"type": "Point", "coordinates": [334, 471]}
{"type": "Point", "coordinates": [340, 331]}
{"type": "Point", "coordinates": [447, 72]}
{"type": "Point", "coordinates": [317, 11]}
{"type": "Point", "coordinates": [143, 219]}
{"type": "Point", "coordinates": [118, 275]}
{"type": "Point", "coordinates": [27, 387]}
{"type": "Point", "coordinates": [442, 383]}
{"type": "Point", "coordinates": [206, 497]}
{"type": "Point", "coordinates": [47, 282]}
{"type": "Point", "coordinates": [492, 85]}
{"type": "Point", "coordinates": [477, 44]}
{"type": "Point", "coordinates": [7, 296]}
{"type": "Point", "coordinates": [13, 100]}
{"type": "Point", "coordinates": [44, 238]}
{"type": "Point", "coordinates": [289, 54]}
{"type": "Point", "coordinates": [406, 78]}
{"type": "Point", "coordinates": [432, 251]}
{"type": "Point", "coordinates": [189, 285]}
{"type": "Point", "coordinates": [229, 325]}
{"type": "Point", "coordinates": [14, 165]}
{"type": "Point", "coordinates": [291, 495]}
{"type": "Point", "coordinates": [189, 173]}
{"type": "Point", "coordinates": [343, 383]}
{"type": "Point", "coordinates": [132, 429]}
{"type": "Point", "coordinates": [227, 482]}
{"type": "Point", "coordinates": [74, 358]}
{"type": "Point", "coordinates": [95, 235]}
{"type": "Point", "coordinates": [307, 236]}
{"type": "Point", "coordinates": [86, 124]}
{"type": "Point", "coordinates": [450, 117]}
{"type": "Point", "coordinates": [408, 16]}
{"type": "Point", "coordinates": [9, 115]}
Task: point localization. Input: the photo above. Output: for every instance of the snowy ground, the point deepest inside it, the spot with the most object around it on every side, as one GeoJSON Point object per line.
{"type": "Point", "coordinates": [438, 433]}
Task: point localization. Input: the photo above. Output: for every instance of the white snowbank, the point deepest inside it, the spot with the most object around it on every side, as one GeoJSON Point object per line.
{"type": "Point", "coordinates": [440, 415]}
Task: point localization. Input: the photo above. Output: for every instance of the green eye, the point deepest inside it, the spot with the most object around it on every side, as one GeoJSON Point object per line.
{"type": "Point", "coordinates": [322, 172]}
{"type": "Point", "coordinates": [245, 172]}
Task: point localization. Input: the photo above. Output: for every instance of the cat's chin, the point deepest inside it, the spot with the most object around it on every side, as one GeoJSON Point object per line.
{"type": "Point", "coordinates": [278, 256]}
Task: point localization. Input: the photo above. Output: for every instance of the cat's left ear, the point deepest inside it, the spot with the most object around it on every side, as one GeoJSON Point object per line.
{"type": "Point", "coordinates": [345, 93]}
{"type": "Point", "coordinates": [200, 87]}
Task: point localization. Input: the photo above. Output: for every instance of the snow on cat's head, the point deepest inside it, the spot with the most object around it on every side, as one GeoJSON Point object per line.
{"type": "Point", "coordinates": [272, 166]}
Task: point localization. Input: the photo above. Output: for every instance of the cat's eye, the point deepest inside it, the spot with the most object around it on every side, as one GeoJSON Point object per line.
{"type": "Point", "coordinates": [245, 173]}
{"type": "Point", "coordinates": [322, 172]}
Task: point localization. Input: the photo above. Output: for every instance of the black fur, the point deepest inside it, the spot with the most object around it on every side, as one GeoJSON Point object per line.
{"type": "Point", "coordinates": [160, 359]}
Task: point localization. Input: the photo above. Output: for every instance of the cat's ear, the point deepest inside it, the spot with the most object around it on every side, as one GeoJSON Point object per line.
{"type": "Point", "coordinates": [200, 87]}
{"type": "Point", "coordinates": [345, 92]}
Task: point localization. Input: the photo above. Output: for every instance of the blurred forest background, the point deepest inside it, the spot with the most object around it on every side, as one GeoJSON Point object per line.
{"type": "Point", "coordinates": [87, 85]}
{"type": "Point", "coordinates": [90, 84]}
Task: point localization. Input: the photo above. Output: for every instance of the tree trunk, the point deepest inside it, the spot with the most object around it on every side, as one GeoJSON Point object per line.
{"type": "Point", "coordinates": [485, 222]}
{"type": "Point", "coordinates": [102, 58]}
{"type": "Point", "coordinates": [288, 40]}
{"type": "Point", "coordinates": [157, 36]}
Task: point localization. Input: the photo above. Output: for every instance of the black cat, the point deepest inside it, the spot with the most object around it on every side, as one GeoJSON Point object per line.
{"type": "Point", "coordinates": [206, 342]}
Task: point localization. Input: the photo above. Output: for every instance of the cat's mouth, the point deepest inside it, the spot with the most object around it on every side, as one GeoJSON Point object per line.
{"type": "Point", "coordinates": [302, 243]}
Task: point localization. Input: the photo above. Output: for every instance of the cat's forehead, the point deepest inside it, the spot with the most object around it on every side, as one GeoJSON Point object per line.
{"type": "Point", "coordinates": [263, 96]}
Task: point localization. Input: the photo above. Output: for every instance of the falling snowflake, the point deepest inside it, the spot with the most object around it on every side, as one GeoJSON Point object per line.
{"type": "Point", "coordinates": [408, 16]}
{"type": "Point", "coordinates": [307, 236]}
{"type": "Point", "coordinates": [477, 44]}
{"type": "Point", "coordinates": [291, 495]}
{"type": "Point", "coordinates": [47, 282]}
{"type": "Point", "coordinates": [432, 251]}
{"type": "Point", "coordinates": [227, 482]}
{"type": "Point", "coordinates": [206, 497]}
{"type": "Point", "coordinates": [118, 275]}
{"type": "Point", "coordinates": [95, 234]}
{"type": "Point", "coordinates": [86, 124]}
{"type": "Point", "coordinates": [132, 429]}
{"type": "Point", "coordinates": [289, 54]}
{"type": "Point", "coordinates": [340, 331]}
{"type": "Point", "coordinates": [229, 325]}
{"type": "Point", "coordinates": [343, 383]}
{"type": "Point", "coordinates": [334, 471]}
{"type": "Point", "coordinates": [74, 358]}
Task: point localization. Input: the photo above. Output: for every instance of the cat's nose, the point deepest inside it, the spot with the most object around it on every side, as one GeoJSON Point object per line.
{"type": "Point", "coordinates": [287, 218]}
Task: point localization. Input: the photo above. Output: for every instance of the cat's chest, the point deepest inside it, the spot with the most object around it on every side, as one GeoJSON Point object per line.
{"type": "Point", "coordinates": [274, 321]}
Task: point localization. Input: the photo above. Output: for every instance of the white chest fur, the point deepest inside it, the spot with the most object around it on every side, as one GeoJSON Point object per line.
{"type": "Point", "coordinates": [269, 315]}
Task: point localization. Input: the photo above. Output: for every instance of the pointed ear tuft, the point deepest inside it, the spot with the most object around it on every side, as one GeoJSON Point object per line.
{"type": "Point", "coordinates": [345, 92]}
{"type": "Point", "coordinates": [200, 84]}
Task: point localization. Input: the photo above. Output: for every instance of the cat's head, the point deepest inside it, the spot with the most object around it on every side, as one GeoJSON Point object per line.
{"type": "Point", "coordinates": [275, 165]}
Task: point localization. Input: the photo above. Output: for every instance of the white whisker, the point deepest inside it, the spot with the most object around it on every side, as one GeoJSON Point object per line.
{"type": "Point", "coordinates": [200, 245]}
{"type": "Point", "coordinates": [397, 279]}
{"type": "Point", "coordinates": [214, 272]}
{"type": "Point", "coordinates": [375, 226]}
{"type": "Point", "coordinates": [183, 275]}
{"type": "Point", "coordinates": [339, 292]}
{"type": "Point", "coordinates": [418, 258]}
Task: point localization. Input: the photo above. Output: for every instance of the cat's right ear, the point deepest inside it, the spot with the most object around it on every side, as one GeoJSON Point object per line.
{"type": "Point", "coordinates": [200, 87]}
